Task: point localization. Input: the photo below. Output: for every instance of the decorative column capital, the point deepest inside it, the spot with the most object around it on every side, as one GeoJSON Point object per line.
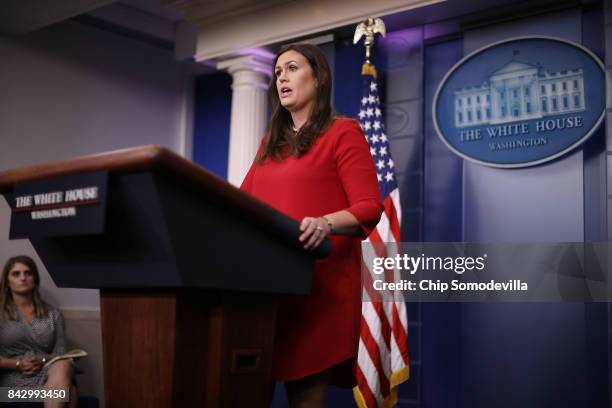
{"type": "Point", "coordinates": [259, 61]}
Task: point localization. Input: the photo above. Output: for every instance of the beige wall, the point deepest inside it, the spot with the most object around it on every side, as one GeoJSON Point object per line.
{"type": "Point", "coordinates": [83, 332]}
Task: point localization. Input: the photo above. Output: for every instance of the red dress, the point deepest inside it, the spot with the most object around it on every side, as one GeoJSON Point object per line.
{"type": "Point", "coordinates": [320, 330]}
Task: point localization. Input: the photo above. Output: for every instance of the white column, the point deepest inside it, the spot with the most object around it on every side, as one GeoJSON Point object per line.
{"type": "Point", "coordinates": [251, 75]}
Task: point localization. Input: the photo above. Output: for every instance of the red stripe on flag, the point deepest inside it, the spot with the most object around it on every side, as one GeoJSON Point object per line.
{"type": "Point", "coordinates": [373, 350]}
{"type": "Point", "coordinates": [367, 278]}
{"type": "Point", "coordinates": [391, 213]}
{"type": "Point", "coordinates": [399, 332]}
{"type": "Point", "coordinates": [378, 305]}
{"type": "Point", "coordinates": [366, 392]}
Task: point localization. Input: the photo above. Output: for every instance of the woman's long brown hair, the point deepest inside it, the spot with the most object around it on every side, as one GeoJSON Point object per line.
{"type": "Point", "coordinates": [280, 138]}
{"type": "Point", "coordinates": [8, 310]}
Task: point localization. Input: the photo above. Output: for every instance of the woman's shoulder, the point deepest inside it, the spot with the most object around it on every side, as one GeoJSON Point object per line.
{"type": "Point", "coordinates": [344, 122]}
{"type": "Point", "coordinates": [342, 125]}
{"type": "Point", "coordinates": [345, 129]}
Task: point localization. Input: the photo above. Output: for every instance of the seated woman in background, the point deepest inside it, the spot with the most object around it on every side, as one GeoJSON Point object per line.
{"type": "Point", "coordinates": [31, 333]}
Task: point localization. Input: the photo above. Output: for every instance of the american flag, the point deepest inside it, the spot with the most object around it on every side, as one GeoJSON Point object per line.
{"type": "Point", "coordinates": [382, 362]}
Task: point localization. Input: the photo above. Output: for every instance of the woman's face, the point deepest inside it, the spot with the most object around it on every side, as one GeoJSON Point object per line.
{"type": "Point", "coordinates": [21, 279]}
{"type": "Point", "coordinates": [295, 82]}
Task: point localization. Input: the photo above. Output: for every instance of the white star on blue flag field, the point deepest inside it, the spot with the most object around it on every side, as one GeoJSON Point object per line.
{"type": "Point", "coordinates": [371, 120]}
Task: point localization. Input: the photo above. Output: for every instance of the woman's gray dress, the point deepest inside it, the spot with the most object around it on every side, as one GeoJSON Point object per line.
{"type": "Point", "coordinates": [43, 337]}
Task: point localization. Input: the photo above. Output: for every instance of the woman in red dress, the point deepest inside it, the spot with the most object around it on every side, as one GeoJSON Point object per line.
{"type": "Point", "coordinates": [316, 168]}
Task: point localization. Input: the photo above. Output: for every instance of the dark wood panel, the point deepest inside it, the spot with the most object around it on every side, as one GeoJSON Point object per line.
{"type": "Point", "coordinates": [187, 348]}
{"type": "Point", "coordinates": [138, 347]}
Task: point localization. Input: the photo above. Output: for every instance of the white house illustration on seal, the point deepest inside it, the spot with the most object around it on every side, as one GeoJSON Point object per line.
{"type": "Point", "coordinates": [519, 91]}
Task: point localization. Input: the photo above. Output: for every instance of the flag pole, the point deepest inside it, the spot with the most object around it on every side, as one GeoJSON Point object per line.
{"type": "Point", "coordinates": [368, 29]}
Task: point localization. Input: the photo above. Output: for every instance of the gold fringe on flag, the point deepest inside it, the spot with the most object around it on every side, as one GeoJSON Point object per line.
{"type": "Point", "coordinates": [397, 378]}
{"type": "Point", "coordinates": [400, 376]}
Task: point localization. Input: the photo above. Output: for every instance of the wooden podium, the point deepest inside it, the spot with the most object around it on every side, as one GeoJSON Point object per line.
{"type": "Point", "coordinates": [189, 270]}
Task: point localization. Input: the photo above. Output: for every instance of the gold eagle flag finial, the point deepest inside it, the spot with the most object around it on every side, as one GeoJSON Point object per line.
{"type": "Point", "coordinates": [369, 28]}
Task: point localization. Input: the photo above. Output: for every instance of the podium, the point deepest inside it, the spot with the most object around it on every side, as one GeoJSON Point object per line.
{"type": "Point", "coordinates": [189, 268]}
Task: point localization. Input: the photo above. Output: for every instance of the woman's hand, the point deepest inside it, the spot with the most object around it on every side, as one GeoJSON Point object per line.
{"type": "Point", "coordinates": [314, 231]}
{"type": "Point", "coordinates": [30, 365]}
